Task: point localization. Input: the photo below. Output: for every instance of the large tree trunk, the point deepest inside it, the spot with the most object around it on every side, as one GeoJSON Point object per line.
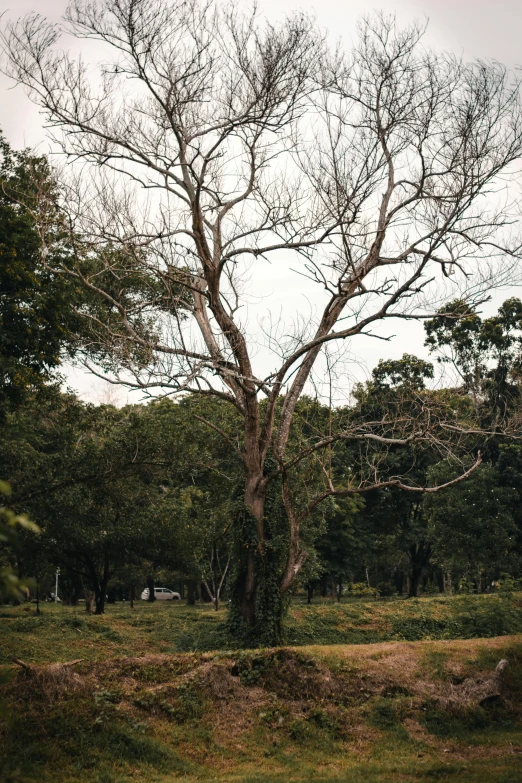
{"type": "Point", "coordinates": [255, 499]}
{"type": "Point", "coordinates": [248, 590]}
{"type": "Point", "coordinates": [257, 584]}
{"type": "Point", "coordinates": [251, 539]}
{"type": "Point", "coordinates": [267, 558]}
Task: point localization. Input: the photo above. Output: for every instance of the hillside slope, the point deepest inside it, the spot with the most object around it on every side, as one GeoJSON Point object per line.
{"type": "Point", "coordinates": [418, 711]}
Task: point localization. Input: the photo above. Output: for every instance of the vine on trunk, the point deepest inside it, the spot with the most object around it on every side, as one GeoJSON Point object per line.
{"type": "Point", "coordinates": [257, 605]}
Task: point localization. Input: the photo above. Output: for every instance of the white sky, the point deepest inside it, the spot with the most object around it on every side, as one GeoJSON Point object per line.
{"type": "Point", "coordinates": [474, 28]}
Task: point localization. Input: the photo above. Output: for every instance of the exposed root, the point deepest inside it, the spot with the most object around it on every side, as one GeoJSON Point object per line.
{"type": "Point", "coordinates": [472, 692]}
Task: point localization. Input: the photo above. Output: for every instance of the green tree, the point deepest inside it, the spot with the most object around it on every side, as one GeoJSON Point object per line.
{"type": "Point", "coordinates": [345, 545]}
{"type": "Point", "coordinates": [36, 315]}
{"type": "Point", "coordinates": [486, 354]}
{"type": "Point", "coordinates": [487, 357]}
{"type": "Point", "coordinates": [471, 525]}
{"type": "Point", "coordinates": [398, 389]}
{"type": "Point", "coordinates": [144, 485]}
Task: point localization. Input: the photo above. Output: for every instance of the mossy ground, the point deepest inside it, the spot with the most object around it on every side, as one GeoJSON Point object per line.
{"type": "Point", "coordinates": [137, 709]}
{"type": "Point", "coordinates": [63, 632]}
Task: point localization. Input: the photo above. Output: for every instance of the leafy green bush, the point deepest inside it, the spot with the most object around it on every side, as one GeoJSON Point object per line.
{"type": "Point", "coordinates": [361, 590]}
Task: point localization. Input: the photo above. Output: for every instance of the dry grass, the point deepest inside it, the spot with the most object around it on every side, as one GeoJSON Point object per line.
{"type": "Point", "coordinates": [384, 712]}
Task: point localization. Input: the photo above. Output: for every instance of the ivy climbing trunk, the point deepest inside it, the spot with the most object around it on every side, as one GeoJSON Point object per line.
{"type": "Point", "coordinates": [261, 536]}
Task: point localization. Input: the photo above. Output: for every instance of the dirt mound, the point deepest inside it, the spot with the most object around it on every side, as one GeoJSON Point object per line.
{"type": "Point", "coordinates": [217, 681]}
{"type": "Point", "coordinates": [288, 674]}
{"type": "Point", "coordinates": [484, 688]}
{"type": "Point", "coordinates": [291, 676]}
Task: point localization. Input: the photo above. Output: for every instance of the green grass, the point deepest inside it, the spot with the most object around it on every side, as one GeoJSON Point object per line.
{"type": "Point", "coordinates": [331, 714]}
{"type": "Point", "coordinates": [63, 632]}
{"type": "Point", "coordinates": [149, 703]}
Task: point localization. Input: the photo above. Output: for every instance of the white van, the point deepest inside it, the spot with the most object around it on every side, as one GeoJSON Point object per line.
{"type": "Point", "coordinates": [161, 594]}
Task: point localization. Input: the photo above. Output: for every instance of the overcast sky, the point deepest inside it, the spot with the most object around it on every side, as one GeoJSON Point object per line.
{"type": "Point", "coordinates": [473, 28]}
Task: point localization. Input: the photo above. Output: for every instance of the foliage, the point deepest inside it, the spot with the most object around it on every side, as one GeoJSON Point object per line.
{"type": "Point", "coordinates": [37, 316]}
{"type": "Point", "coordinates": [361, 590]}
{"type": "Point", "coordinates": [471, 524]}
{"type": "Point", "coordinates": [10, 583]}
{"type": "Point", "coordinates": [112, 490]}
{"type": "Point", "coordinates": [485, 352]}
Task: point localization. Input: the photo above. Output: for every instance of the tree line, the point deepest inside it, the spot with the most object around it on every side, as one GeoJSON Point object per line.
{"type": "Point", "coordinates": [133, 496]}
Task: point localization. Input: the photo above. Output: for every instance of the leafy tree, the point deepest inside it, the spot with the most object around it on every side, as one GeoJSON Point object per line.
{"type": "Point", "coordinates": [345, 545]}
{"type": "Point", "coordinates": [72, 469]}
{"type": "Point", "coordinates": [111, 488]}
{"type": "Point", "coordinates": [36, 316]}
{"type": "Point", "coordinates": [471, 526]}
{"type": "Point", "coordinates": [397, 389]}
{"type": "Point", "coordinates": [486, 354]}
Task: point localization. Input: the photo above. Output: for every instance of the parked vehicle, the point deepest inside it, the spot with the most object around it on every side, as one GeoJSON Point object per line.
{"type": "Point", "coordinates": [161, 594]}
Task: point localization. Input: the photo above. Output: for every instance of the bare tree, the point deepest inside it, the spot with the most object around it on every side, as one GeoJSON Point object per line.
{"type": "Point", "coordinates": [213, 141]}
{"type": "Point", "coordinates": [214, 575]}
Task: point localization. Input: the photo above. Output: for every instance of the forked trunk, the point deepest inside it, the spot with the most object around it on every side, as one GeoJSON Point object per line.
{"type": "Point", "coordinates": [101, 592]}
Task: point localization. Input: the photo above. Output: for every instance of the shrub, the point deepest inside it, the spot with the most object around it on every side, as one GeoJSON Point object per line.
{"type": "Point", "coordinates": [361, 590]}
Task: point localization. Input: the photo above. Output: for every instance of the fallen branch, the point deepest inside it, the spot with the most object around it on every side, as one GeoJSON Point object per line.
{"type": "Point", "coordinates": [31, 667]}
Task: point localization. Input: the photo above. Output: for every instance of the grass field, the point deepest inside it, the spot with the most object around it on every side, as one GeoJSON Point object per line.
{"type": "Point", "coordinates": [149, 703]}
{"type": "Point", "coordinates": [63, 632]}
